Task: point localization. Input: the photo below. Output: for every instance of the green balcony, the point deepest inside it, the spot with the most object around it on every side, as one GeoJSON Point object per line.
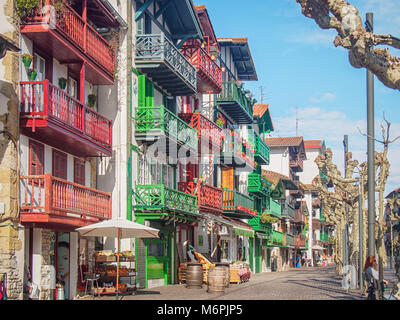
{"type": "Point", "coordinates": [288, 211]}
{"type": "Point", "coordinates": [258, 185]}
{"type": "Point", "coordinates": [237, 204]}
{"type": "Point", "coordinates": [158, 58]}
{"type": "Point", "coordinates": [289, 240]}
{"type": "Point", "coordinates": [262, 153]}
{"type": "Point", "coordinates": [158, 200]}
{"type": "Point", "coordinates": [275, 239]}
{"type": "Point", "coordinates": [233, 101]}
{"type": "Point", "coordinates": [274, 208]}
{"type": "Point", "coordinates": [260, 226]}
{"type": "Point", "coordinates": [153, 123]}
{"type": "Point", "coordinates": [324, 237]}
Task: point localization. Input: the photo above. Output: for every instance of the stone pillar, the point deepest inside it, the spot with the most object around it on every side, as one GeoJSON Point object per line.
{"type": "Point", "coordinates": [11, 243]}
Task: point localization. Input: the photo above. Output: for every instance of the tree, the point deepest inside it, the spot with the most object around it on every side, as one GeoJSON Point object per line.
{"type": "Point", "coordinates": [345, 19]}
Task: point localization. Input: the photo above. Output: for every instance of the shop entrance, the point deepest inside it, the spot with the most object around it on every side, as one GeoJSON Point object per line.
{"type": "Point", "coordinates": [158, 260]}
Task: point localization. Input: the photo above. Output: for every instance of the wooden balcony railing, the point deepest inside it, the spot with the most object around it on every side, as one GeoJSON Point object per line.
{"type": "Point", "coordinates": [262, 153]}
{"type": "Point", "coordinates": [158, 198]}
{"type": "Point", "coordinates": [235, 201]}
{"type": "Point", "coordinates": [41, 102]}
{"type": "Point", "coordinates": [159, 120]}
{"type": "Point", "coordinates": [316, 203]}
{"type": "Point", "coordinates": [154, 53]}
{"type": "Point", "coordinates": [206, 129]}
{"type": "Point", "coordinates": [274, 208]}
{"type": "Point", "coordinates": [275, 238]}
{"type": "Point", "coordinates": [296, 162]}
{"type": "Point", "coordinates": [288, 211]}
{"type": "Point", "coordinates": [258, 185]}
{"type": "Point", "coordinates": [208, 70]}
{"type": "Point", "coordinates": [299, 241]}
{"type": "Point", "coordinates": [258, 225]}
{"type": "Point", "coordinates": [324, 237]}
{"type": "Point", "coordinates": [209, 198]}
{"type": "Point", "coordinates": [289, 240]}
{"type": "Point", "coordinates": [78, 31]}
{"type": "Point", "coordinates": [233, 101]}
{"type": "Point", "coordinates": [48, 199]}
{"type": "Point", "coordinates": [232, 151]}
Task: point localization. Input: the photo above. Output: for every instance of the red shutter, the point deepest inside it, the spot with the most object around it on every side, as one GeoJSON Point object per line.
{"type": "Point", "coordinates": [59, 164]}
{"type": "Point", "coordinates": [36, 158]}
{"type": "Point", "coordinates": [79, 171]}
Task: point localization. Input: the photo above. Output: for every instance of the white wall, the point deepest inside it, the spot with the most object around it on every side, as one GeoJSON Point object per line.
{"type": "Point", "coordinates": [278, 161]}
{"type": "Point", "coordinates": [310, 168]}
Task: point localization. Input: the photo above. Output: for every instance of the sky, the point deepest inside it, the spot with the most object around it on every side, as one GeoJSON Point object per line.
{"type": "Point", "coordinates": [305, 77]}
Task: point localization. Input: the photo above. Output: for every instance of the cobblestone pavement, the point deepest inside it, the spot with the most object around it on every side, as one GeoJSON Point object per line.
{"type": "Point", "coordinates": [295, 284]}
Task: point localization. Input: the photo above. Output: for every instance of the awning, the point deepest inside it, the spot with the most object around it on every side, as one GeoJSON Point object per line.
{"type": "Point", "coordinates": [238, 230]}
{"type": "Point", "coordinates": [243, 232]}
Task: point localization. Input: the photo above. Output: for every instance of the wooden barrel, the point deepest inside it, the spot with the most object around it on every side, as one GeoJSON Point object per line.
{"type": "Point", "coordinates": [227, 268]}
{"type": "Point", "coordinates": [194, 276]}
{"type": "Point", "coordinates": [216, 279]}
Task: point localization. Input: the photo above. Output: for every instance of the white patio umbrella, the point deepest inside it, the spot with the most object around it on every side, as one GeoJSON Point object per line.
{"type": "Point", "coordinates": [120, 229]}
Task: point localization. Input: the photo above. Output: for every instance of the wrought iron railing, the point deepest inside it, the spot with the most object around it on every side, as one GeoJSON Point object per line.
{"type": "Point", "coordinates": [157, 47]}
{"type": "Point", "coordinates": [153, 120]}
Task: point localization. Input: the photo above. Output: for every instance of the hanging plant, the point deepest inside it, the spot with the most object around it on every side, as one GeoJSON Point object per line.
{"type": "Point", "coordinates": [27, 59]}
{"type": "Point", "coordinates": [91, 100]}
{"type": "Point", "coordinates": [220, 122]}
{"type": "Point", "coordinates": [32, 74]}
{"type": "Point", "coordinates": [266, 218]}
{"type": "Point", "coordinates": [62, 82]}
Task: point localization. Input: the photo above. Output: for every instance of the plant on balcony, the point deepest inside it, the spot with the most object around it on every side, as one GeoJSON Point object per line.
{"type": "Point", "coordinates": [266, 218]}
{"type": "Point", "coordinates": [220, 122]}
{"type": "Point", "coordinates": [91, 100]}
{"type": "Point", "coordinates": [32, 74]}
{"type": "Point", "coordinates": [27, 59]}
{"type": "Point", "coordinates": [26, 8]}
{"type": "Point", "coordinates": [62, 82]}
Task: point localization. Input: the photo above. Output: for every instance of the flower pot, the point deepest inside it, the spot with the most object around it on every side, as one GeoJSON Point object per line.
{"type": "Point", "coordinates": [32, 75]}
{"type": "Point", "coordinates": [91, 100]}
{"type": "Point", "coordinates": [27, 62]}
{"type": "Point", "coordinates": [62, 82]}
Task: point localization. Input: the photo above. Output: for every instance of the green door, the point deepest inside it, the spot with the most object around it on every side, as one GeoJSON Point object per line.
{"type": "Point", "coordinates": [258, 254]}
{"type": "Point", "coordinates": [251, 254]}
{"type": "Point", "coordinates": [158, 259]}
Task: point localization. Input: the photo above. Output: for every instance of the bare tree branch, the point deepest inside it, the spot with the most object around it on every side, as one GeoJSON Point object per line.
{"type": "Point", "coordinates": [341, 16]}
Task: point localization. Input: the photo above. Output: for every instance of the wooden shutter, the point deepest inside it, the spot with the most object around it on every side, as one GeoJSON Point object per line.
{"type": "Point", "coordinates": [36, 158]}
{"type": "Point", "coordinates": [59, 164]}
{"type": "Point", "coordinates": [228, 178]}
{"type": "Point", "coordinates": [79, 171]}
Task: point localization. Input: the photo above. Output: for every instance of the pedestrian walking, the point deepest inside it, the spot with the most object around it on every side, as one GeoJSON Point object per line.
{"type": "Point", "coordinates": [372, 277]}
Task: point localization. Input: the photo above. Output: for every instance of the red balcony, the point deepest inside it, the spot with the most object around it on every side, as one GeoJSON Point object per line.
{"type": "Point", "coordinates": [51, 201]}
{"type": "Point", "coordinates": [207, 130]}
{"type": "Point", "coordinates": [50, 115]}
{"type": "Point", "coordinates": [299, 215]}
{"type": "Point", "coordinates": [299, 241]}
{"type": "Point", "coordinates": [209, 198]}
{"type": "Point", "coordinates": [67, 37]}
{"type": "Point", "coordinates": [209, 74]}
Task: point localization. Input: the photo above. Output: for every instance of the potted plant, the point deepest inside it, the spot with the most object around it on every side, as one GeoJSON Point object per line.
{"type": "Point", "coordinates": [220, 122]}
{"type": "Point", "coordinates": [27, 59]}
{"type": "Point", "coordinates": [91, 100]}
{"type": "Point", "coordinates": [32, 74]}
{"type": "Point", "coordinates": [62, 82]}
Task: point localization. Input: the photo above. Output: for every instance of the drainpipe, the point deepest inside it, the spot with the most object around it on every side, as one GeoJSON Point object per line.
{"type": "Point", "coordinates": [129, 107]}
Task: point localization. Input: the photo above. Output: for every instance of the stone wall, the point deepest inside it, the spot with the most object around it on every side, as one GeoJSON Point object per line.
{"type": "Point", "coordinates": [11, 240]}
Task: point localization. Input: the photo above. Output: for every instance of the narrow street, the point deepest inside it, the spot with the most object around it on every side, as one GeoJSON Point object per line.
{"type": "Point", "coordinates": [295, 284]}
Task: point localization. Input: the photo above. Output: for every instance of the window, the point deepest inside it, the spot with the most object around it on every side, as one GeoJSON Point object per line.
{"type": "Point", "coordinates": [59, 164]}
{"type": "Point", "coordinates": [36, 158]}
{"type": "Point", "coordinates": [39, 64]}
{"type": "Point", "coordinates": [79, 171]}
{"type": "Point", "coordinates": [72, 87]}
